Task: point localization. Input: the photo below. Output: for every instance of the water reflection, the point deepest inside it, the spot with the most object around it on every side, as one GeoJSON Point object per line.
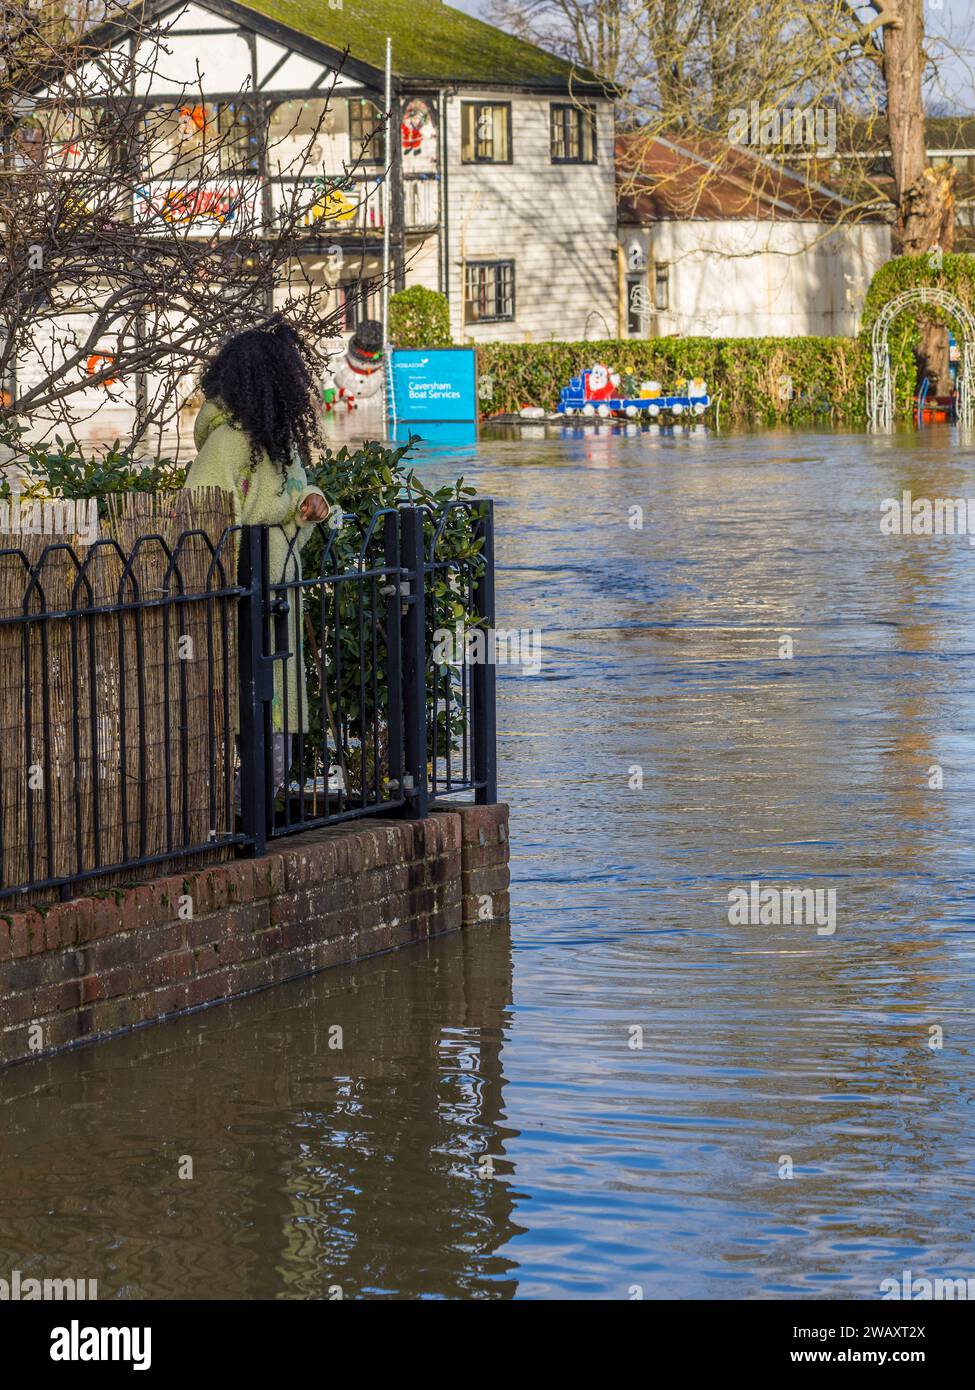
{"type": "Point", "coordinates": [314, 1168]}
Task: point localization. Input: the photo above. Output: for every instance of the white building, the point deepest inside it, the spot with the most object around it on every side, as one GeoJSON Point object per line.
{"type": "Point", "coordinates": [718, 242]}
{"type": "Point", "coordinates": [503, 189]}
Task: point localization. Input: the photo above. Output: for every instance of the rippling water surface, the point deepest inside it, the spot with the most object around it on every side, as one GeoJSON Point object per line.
{"type": "Point", "coordinates": [491, 1128]}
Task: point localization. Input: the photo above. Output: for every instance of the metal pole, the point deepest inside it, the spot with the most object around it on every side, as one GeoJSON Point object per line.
{"type": "Point", "coordinates": [394, 647]}
{"type": "Point", "coordinates": [391, 135]}
{"type": "Point", "coordinates": [483, 696]}
{"type": "Point", "coordinates": [254, 698]}
{"type": "Point", "coordinates": [414, 664]}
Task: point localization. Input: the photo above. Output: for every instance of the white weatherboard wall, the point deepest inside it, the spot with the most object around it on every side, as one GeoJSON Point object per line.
{"type": "Point", "coordinates": [752, 279]}
{"type": "Point", "coordinates": [557, 222]}
{"type": "Point", "coordinates": [422, 262]}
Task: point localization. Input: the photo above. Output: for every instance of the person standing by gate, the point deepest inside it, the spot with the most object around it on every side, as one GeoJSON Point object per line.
{"type": "Point", "coordinates": [254, 435]}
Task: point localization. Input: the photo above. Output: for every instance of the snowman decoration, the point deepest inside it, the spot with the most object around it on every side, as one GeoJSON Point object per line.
{"type": "Point", "coordinates": [358, 374]}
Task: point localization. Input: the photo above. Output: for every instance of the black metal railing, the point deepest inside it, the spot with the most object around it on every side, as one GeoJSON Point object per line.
{"type": "Point", "coordinates": [117, 676]}
{"type": "Point", "coordinates": [377, 726]}
{"type": "Point", "coordinates": [459, 705]}
{"type": "Point", "coordinates": [175, 697]}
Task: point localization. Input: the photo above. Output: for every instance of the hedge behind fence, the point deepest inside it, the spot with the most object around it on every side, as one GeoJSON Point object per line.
{"type": "Point", "coordinates": [761, 380]}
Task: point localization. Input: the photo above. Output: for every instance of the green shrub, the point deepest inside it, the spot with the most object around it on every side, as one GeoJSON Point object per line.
{"type": "Point", "coordinates": [419, 318]}
{"type": "Point", "coordinates": [361, 482]}
{"type": "Point", "coordinates": [58, 468]}
{"type": "Point", "coordinates": [760, 381]}
{"type": "Point", "coordinates": [764, 381]}
{"type": "Point", "coordinates": [955, 273]}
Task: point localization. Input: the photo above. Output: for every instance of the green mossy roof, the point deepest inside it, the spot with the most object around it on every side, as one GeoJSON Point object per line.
{"type": "Point", "coordinates": [431, 41]}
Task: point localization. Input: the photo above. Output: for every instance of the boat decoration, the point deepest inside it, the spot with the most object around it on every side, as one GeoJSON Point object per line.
{"type": "Point", "coordinates": [601, 392]}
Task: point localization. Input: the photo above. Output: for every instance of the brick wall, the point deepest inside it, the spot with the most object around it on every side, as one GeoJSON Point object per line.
{"type": "Point", "coordinates": [83, 970]}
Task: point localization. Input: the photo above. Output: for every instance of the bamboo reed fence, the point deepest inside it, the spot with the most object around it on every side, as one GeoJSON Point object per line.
{"type": "Point", "coordinates": [118, 694]}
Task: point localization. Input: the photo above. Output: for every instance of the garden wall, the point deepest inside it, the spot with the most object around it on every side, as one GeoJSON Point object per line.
{"type": "Point", "coordinates": [84, 970]}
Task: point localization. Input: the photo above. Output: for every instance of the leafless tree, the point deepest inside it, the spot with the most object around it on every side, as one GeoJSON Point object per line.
{"type": "Point", "coordinates": [133, 238]}
{"type": "Point", "coordinates": [709, 73]}
{"type": "Point", "coordinates": [688, 66]}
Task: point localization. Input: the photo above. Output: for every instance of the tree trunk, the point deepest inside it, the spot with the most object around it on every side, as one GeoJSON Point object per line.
{"type": "Point", "coordinates": [925, 197]}
{"type": "Point", "coordinates": [933, 357]}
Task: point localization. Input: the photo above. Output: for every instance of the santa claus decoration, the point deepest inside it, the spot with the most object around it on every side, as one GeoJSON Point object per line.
{"type": "Point", "coordinates": [601, 383]}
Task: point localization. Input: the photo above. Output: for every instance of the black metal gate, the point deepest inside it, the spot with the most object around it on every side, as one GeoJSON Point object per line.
{"type": "Point", "coordinates": [345, 710]}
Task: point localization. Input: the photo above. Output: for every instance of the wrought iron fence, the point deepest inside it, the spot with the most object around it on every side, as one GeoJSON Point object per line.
{"type": "Point", "coordinates": [378, 725]}
{"type": "Point", "coordinates": [118, 679]}
{"type": "Point", "coordinates": [167, 697]}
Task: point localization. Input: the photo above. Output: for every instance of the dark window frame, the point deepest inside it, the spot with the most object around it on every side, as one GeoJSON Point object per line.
{"type": "Point", "coordinates": [375, 151]}
{"type": "Point", "coordinates": [498, 292]}
{"type": "Point", "coordinates": [358, 300]}
{"type": "Point", "coordinates": [560, 115]}
{"type": "Point", "coordinates": [477, 107]}
{"type": "Point", "coordinates": [246, 142]}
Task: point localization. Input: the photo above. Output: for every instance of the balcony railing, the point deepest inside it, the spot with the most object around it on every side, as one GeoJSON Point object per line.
{"type": "Point", "coordinates": [233, 206]}
{"type": "Point", "coordinates": [356, 204]}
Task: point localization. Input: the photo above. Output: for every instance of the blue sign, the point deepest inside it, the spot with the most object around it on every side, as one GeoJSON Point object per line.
{"type": "Point", "coordinates": [446, 434]}
{"type": "Point", "coordinates": [433, 384]}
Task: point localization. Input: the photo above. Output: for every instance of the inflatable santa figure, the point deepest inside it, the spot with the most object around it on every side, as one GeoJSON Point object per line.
{"type": "Point", "coordinates": [358, 374]}
{"type": "Point", "coordinates": [601, 383]}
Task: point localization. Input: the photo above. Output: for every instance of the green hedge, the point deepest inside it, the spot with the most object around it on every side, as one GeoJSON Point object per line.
{"type": "Point", "coordinates": [761, 380]}
{"type": "Point", "coordinates": [419, 318]}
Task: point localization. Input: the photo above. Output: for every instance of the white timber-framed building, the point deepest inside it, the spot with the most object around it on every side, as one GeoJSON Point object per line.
{"type": "Point", "coordinates": [502, 187]}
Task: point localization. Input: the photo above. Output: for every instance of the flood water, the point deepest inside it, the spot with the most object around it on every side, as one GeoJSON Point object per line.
{"type": "Point", "coordinates": [493, 1127]}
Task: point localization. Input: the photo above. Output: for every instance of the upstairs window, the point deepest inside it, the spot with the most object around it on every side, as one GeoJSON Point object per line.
{"type": "Point", "coordinates": [573, 134]}
{"type": "Point", "coordinates": [489, 291]}
{"type": "Point", "coordinates": [485, 132]}
{"type": "Point", "coordinates": [367, 133]}
{"type": "Point", "coordinates": [237, 136]}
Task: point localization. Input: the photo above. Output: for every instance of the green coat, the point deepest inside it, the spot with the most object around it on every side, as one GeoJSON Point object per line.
{"type": "Point", "coordinates": [224, 461]}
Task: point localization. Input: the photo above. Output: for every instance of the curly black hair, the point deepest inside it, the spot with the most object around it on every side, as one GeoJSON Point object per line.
{"type": "Point", "coordinates": [265, 378]}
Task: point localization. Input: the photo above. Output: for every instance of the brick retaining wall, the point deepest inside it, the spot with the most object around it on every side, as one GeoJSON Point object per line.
{"type": "Point", "coordinates": [83, 970]}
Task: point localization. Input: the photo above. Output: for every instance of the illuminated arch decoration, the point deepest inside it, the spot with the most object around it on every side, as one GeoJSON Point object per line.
{"type": "Point", "coordinates": [880, 382]}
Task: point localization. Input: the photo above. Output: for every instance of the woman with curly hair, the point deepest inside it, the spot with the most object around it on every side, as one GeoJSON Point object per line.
{"type": "Point", "coordinates": [255, 433]}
